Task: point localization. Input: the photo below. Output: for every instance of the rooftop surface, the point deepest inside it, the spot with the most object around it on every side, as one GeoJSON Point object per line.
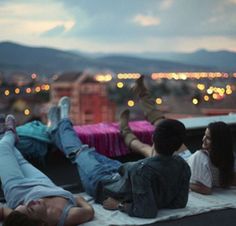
{"type": "Point", "coordinates": [64, 174]}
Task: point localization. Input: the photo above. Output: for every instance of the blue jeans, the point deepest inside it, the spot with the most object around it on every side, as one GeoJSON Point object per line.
{"type": "Point", "coordinates": [14, 168]}
{"type": "Point", "coordinates": [91, 165]}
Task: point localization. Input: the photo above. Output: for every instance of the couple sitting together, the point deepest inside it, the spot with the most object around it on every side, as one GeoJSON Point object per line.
{"type": "Point", "coordinates": [140, 189]}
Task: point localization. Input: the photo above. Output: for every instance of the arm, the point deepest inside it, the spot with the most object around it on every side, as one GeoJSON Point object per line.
{"type": "Point", "coordinates": [143, 203]}
{"type": "Point", "coordinates": [200, 188]}
{"type": "Point", "coordinates": [82, 213]}
{"type": "Point", "coordinates": [201, 178]}
{"type": "Point", "coordinates": [4, 212]}
{"type": "Point", "coordinates": [181, 197]}
{"type": "Point", "coordinates": [111, 203]}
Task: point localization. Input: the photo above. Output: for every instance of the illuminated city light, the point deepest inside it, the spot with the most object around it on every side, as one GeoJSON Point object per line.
{"type": "Point", "coordinates": [119, 76]}
{"type": "Point", "coordinates": [217, 96]}
{"type": "Point", "coordinates": [175, 76]}
{"type": "Point", "coordinates": [103, 78]}
{"type": "Point", "coordinates": [130, 103]}
{"type": "Point", "coordinates": [7, 92]}
{"type": "Point", "coordinates": [183, 76]}
{"type": "Point", "coordinates": [222, 91]}
{"type": "Point", "coordinates": [214, 96]}
{"type": "Point", "coordinates": [26, 111]}
{"type": "Point", "coordinates": [228, 91]}
{"type": "Point", "coordinates": [28, 90]}
{"type": "Point", "coordinates": [226, 75]}
{"type": "Point", "coordinates": [33, 76]}
{"type": "Point", "coordinates": [99, 78]}
{"type": "Point", "coordinates": [37, 89]}
{"type": "Point", "coordinates": [189, 75]}
{"type": "Point", "coordinates": [17, 90]}
{"type": "Point", "coordinates": [206, 98]}
{"type": "Point", "coordinates": [200, 86]}
{"type": "Point", "coordinates": [108, 77]}
{"type": "Point", "coordinates": [128, 75]}
{"type": "Point", "coordinates": [209, 91]}
{"type": "Point", "coordinates": [120, 85]}
{"type": "Point", "coordinates": [195, 101]}
{"type": "Point", "coordinates": [158, 100]}
{"type": "Point", "coordinates": [47, 87]}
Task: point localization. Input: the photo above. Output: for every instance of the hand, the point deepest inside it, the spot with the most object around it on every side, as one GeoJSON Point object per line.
{"type": "Point", "coordinates": [81, 202]}
{"type": "Point", "coordinates": [110, 204]}
{"type": "Point", "coordinates": [80, 199]}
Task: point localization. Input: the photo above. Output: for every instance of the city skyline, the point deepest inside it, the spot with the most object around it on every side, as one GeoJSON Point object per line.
{"type": "Point", "coordinates": [121, 26]}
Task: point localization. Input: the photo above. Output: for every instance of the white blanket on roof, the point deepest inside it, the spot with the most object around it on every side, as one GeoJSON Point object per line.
{"type": "Point", "coordinates": [197, 203]}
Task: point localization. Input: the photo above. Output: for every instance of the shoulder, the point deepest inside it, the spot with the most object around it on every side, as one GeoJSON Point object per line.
{"type": "Point", "coordinates": [199, 155]}
{"type": "Point", "coordinates": [165, 164]}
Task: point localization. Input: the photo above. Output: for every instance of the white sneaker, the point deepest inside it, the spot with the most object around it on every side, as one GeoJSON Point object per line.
{"type": "Point", "coordinates": [64, 105]}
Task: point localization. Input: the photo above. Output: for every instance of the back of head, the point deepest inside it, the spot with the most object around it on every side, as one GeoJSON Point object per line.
{"type": "Point", "coordinates": [221, 154]}
{"type": "Point", "coordinates": [168, 136]}
{"type": "Point", "coordinates": [16, 218]}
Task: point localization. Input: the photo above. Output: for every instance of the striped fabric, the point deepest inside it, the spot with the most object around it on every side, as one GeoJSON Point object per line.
{"type": "Point", "coordinates": [106, 138]}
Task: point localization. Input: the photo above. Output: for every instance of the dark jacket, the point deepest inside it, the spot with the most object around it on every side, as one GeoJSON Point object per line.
{"type": "Point", "coordinates": [151, 184]}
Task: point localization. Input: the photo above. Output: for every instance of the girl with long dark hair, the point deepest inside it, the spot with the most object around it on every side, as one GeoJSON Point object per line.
{"type": "Point", "coordinates": [213, 165]}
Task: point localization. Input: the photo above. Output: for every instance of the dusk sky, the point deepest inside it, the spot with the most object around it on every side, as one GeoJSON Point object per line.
{"type": "Point", "coordinates": [120, 25]}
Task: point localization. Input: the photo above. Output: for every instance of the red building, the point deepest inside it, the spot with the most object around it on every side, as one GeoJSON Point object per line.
{"type": "Point", "coordinates": [89, 100]}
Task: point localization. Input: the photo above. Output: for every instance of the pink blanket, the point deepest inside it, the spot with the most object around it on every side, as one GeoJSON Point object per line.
{"type": "Point", "coordinates": [106, 138]}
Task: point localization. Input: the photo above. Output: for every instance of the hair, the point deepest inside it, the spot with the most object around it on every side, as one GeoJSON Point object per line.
{"type": "Point", "coordinates": [168, 136]}
{"type": "Point", "coordinates": [221, 153]}
{"type": "Point", "coordinates": [16, 218]}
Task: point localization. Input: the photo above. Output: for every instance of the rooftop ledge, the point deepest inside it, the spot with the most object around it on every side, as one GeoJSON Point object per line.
{"type": "Point", "coordinates": [202, 122]}
{"type": "Point", "coordinates": [106, 138]}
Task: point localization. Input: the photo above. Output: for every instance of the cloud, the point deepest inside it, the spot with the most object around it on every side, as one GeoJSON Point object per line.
{"type": "Point", "coordinates": [118, 25]}
{"type": "Point", "coordinates": [146, 21]}
{"type": "Point", "coordinates": [58, 30]}
{"type": "Point", "coordinates": [166, 4]}
{"type": "Point", "coordinates": [36, 20]}
{"type": "Point", "coordinates": [232, 1]}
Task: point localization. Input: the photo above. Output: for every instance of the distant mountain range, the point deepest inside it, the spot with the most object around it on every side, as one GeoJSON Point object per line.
{"type": "Point", "coordinates": [19, 58]}
{"type": "Point", "coordinates": [223, 60]}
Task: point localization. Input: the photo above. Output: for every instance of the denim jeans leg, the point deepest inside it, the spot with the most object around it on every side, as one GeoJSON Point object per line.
{"type": "Point", "coordinates": [28, 170]}
{"type": "Point", "coordinates": [9, 167]}
{"type": "Point", "coordinates": [93, 167]}
{"type": "Point", "coordinates": [65, 138]}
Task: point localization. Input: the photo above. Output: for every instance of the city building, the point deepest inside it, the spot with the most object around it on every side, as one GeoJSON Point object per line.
{"type": "Point", "coordinates": [89, 99]}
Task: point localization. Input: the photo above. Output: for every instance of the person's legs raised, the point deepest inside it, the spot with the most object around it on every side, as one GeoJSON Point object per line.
{"type": "Point", "coordinates": [9, 167]}
{"type": "Point", "coordinates": [64, 135]}
{"type": "Point", "coordinates": [146, 102]}
{"type": "Point", "coordinates": [130, 139]}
